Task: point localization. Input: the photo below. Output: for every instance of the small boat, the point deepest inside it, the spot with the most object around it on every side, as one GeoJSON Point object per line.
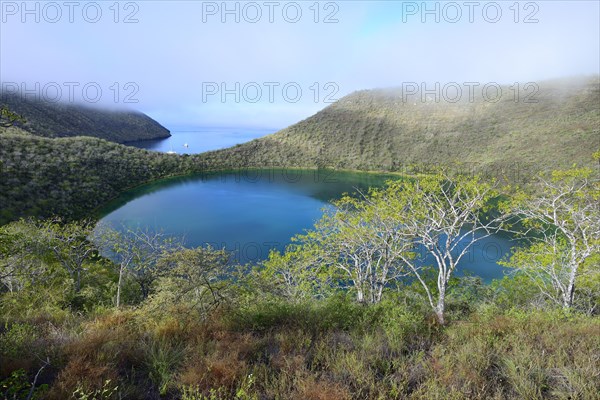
{"type": "Point", "coordinates": [171, 151]}
{"type": "Point", "coordinates": [186, 145]}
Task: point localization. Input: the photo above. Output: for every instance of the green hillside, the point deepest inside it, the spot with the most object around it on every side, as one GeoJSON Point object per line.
{"type": "Point", "coordinates": [379, 130]}
{"type": "Point", "coordinates": [71, 176]}
{"type": "Point", "coordinates": [187, 325]}
{"type": "Point", "coordinates": [368, 130]}
{"type": "Point", "coordinates": [67, 120]}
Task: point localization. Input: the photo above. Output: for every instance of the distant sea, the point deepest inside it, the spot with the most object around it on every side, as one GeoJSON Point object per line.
{"type": "Point", "coordinates": [200, 140]}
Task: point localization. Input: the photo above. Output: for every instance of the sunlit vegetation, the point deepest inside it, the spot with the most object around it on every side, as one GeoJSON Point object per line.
{"type": "Point", "coordinates": [341, 314]}
{"type": "Point", "coordinates": [346, 312]}
{"type": "Point", "coordinates": [9, 118]}
{"type": "Point", "coordinates": [385, 130]}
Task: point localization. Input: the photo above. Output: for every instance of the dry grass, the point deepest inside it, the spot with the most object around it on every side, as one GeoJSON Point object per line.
{"type": "Point", "coordinates": [489, 355]}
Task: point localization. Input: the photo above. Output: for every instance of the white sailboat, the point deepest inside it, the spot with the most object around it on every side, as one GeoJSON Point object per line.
{"type": "Point", "coordinates": [171, 151]}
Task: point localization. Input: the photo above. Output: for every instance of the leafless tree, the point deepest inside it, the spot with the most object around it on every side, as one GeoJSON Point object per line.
{"type": "Point", "coordinates": [70, 245]}
{"type": "Point", "coordinates": [564, 222]}
{"type": "Point", "coordinates": [137, 252]}
{"type": "Point", "coordinates": [360, 240]}
{"type": "Point", "coordinates": [443, 216]}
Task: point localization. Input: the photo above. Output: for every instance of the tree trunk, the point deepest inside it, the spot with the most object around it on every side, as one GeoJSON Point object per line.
{"type": "Point", "coordinates": [119, 285]}
{"type": "Point", "coordinates": [145, 289]}
{"type": "Point", "coordinates": [439, 309]}
{"type": "Point", "coordinates": [379, 293]}
{"type": "Point", "coordinates": [440, 317]}
{"type": "Point", "coordinates": [77, 281]}
{"type": "Point", "coordinates": [360, 296]}
{"type": "Point", "coordinates": [569, 295]}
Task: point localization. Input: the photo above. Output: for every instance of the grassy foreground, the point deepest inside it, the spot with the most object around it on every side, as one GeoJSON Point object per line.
{"type": "Point", "coordinates": [323, 320]}
{"type": "Point", "coordinates": [330, 349]}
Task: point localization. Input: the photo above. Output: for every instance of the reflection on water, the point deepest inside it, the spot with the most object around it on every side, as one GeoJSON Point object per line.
{"type": "Point", "coordinates": [251, 212]}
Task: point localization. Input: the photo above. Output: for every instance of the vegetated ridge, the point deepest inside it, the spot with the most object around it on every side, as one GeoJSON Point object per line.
{"type": "Point", "coordinates": [552, 124]}
{"type": "Point", "coordinates": [50, 119]}
{"type": "Point", "coordinates": [372, 130]}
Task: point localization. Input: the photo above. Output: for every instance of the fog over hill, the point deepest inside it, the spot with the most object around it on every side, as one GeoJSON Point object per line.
{"type": "Point", "coordinates": [55, 119]}
{"type": "Point", "coordinates": [547, 125]}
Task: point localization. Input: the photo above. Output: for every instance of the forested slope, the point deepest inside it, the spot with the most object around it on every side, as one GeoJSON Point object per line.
{"type": "Point", "coordinates": [71, 176]}
{"type": "Point", "coordinates": [382, 130]}
{"type": "Point", "coordinates": [370, 130]}
{"type": "Point", "coordinates": [67, 120]}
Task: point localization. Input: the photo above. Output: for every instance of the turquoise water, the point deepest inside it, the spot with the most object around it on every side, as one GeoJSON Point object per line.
{"type": "Point", "coordinates": [251, 212]}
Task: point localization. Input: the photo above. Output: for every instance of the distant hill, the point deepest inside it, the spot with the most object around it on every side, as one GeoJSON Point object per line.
{"type": "Point", "coordinates": [381, 130]}
{"type": "Point", "coordinates": [66, 120]}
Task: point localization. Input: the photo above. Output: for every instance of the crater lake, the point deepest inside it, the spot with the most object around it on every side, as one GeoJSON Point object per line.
{"type": "Point", "coordinates": [251, 212]}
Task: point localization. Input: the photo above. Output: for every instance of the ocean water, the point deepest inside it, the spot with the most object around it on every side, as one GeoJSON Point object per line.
{"type": "Point", "coordinates": [200, 140]}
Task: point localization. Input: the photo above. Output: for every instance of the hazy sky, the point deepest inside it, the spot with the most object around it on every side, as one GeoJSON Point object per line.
{"type": "Point", "coordinates": [176, 58]}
